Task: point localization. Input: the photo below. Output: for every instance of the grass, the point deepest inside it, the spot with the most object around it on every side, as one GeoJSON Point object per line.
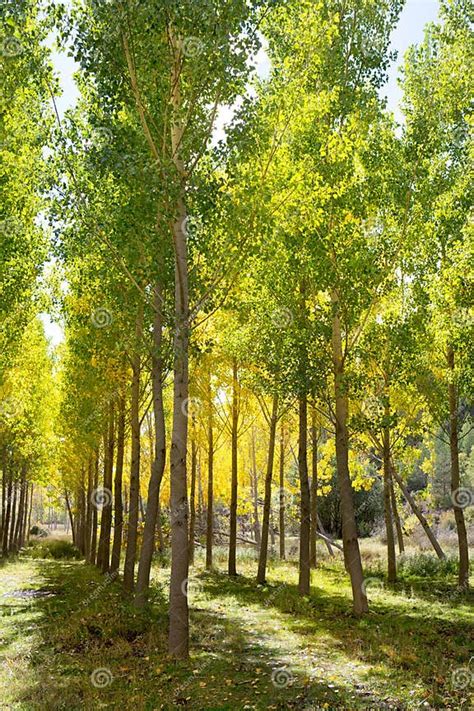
{"type": "Point", "coordinates": [70, 639]}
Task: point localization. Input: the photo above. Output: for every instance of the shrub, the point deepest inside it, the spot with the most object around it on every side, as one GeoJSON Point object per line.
{"type": "Point", "coordinates": [37, 531]}
{"type": "Point", "coordinates": [427, 565]}
{"type": "Point", "coordinates": [55, 549]}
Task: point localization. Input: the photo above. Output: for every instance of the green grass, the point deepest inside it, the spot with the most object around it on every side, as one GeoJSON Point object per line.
{"type": "Point", "coordinates": [251, 647]}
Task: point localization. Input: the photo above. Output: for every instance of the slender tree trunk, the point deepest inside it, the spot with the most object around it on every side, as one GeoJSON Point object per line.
{"type": "Point", "coordinates": [272, 530]}
{"type": "Point", "coordinates": [305, 508]}
{"type": "Point", "coordinates": [232, 568]}
{"type": "Point", "coordinates": [210, 477]}
{"type": "Point", "coordinates": [108, 484]}
{"type": "Point", "coordinates": [158, 466]}
{"type": "Point", "coordinates": [30, 509]}
{"type": "Point", "coordinates": [118, 503]}
{"type": "Point", "coordinates": [282, 493]}
{"type": "Point", "coordinates": [262, 563]}
{"type": "Point", "coordinates": [192, 497]}
{"type": "Point", "coordinates": [391, 556]}
{"type": "Point", "coordinates": [256, 520]}
{"type": "Point", "coordinates": [98, 502]}
{"type": "Point", "coordinates": [324, 536]}
{"type": "Point", "coordinates": [94, 510]}
{"type": "Point", "coordinates": [5, 548]}
{"type": "Point", "coordinates": [4, 490]}
{"type": "Point", "coordinates": [81, 518]}
{"type": "Point", "coordinates": [11, 537]}
{"type": "Point", "coordinates": [71, 517]}
{"type": "Point", "coordinates": [418, 514]}
{"type": "Point", "coordinates": [455, 477]}
{"type": "Point", "coordinates": [314, 489]}
{"type": "Point", "coordinates": [141, 508]}
{"type": "Point", "coordinates": [88, 531]}
{"type": "Point", "coordinates": [125, 502]}
{"type": "Point", "coordinates": [396, 516]}
{"type": "Point", "coordinates": [132, 531]}
{"type": "Point", "coordinates": [106, 519]}
{"type": "Point", "coordinates": [352, 556]}
{"type": "Point", "coordinates": [178, 643]}
{"type": "Point", "coordinates": [159, 529]}
{"type": "Point", "coordinates": [21, 512]}
{"type": "Point", "coordinates": [200, 510]}
{"type": "Point", "coordinates": [24, 521]}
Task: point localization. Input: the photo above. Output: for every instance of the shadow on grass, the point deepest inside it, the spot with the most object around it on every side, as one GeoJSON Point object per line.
{"type": "Point", "coordinates": [402, 641]}
{"type": "Point", "coordinates": [73, 623]}
{"type": "Point", "coordinates": [89, 649]}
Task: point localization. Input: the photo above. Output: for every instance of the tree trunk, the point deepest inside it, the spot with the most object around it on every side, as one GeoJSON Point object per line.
{"type": "Point", "coordinates": [455, 478]}
{"type": "Point", "coordinates": [11, 536]}
{"type": "Point", "coordinates": [98, 500]}
{"type": "Point", "coordinates": [178, 642]}
{"type": "Point", "coordinates": [391, 556]}
{"type": "Point", "coordinates": [125, 502]}
{"type": "Point", "coordinates": [314, 489]}
{"type": "Point", "coordinates": [398, 525]}
{"type": "Point", "coordinates": [88, 531]}
{"type": "Point", "coordinates": [159, 528]}
{"type": "Point", "coordinates": [158, 466]}
{"type": "Point", "coordinates": [232, 568]}
{"type": "Point", "coordinates": [106, 519]}
{"type": "Point", "coordinates": [8, 510]}
{"type": "Point", "coordinates": [256, 521]}
{"type": "Point", "coordinates": [23, 508]}
{"type": "Point", "coordinates": [325, 537]}
{"type": "Point", "coordinates": [4, 490]}
{"type": "Point", "coordinates": [262, 562]}
{"type": "Point", "coordinates": [200, 510]}
{"type": "Point", "coordinates": [192, 496]}
{"type": "Point", "coordinates": [282, 493]}
{"type": "Point", "coordinates": [24, 521]}
{"type": "Point", "coordinates": [132, 530]}
{"type": "Point", "coordinates": [210, 477]}
{"type": "Point", "coordinates": [21, 512]}
{"type": "Point", "coordinates": [118, 502]}
{"type": "Point", "coordinates": [30, 509]}
{"type": "Point", "coordinates": [418, 514]}
{"type": "Point", "coordinates": [81, 517]}
{"type": "Point", "coordinates": [352, 557]}
{"type": "Point", "coordinates": [305, 508]}
{"type": "Point", "coordinates": [71, 517]}
{"type": "Point", "coordinates": [94, 511]}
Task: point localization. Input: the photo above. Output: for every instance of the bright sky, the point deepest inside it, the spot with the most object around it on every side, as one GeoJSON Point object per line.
{"type": "Point", "coordinates": [413, 19]}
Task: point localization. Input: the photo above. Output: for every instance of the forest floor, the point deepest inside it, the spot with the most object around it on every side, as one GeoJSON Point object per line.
{"type": "Point", "coordinates": [70, 639]}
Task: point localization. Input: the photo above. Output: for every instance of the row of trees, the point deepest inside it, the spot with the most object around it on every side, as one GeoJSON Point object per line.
{"type": "Point", "coordinates": [27, 394]}
{"type": "Point", "coordinates": [306, 275]}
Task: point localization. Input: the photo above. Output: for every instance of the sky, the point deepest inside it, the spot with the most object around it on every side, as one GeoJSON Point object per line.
{"type": "Point", "coordinates": [415, 15]}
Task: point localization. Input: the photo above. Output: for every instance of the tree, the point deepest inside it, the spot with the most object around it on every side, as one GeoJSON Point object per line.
{"type": "Point", "coordinates": [438, 88]}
